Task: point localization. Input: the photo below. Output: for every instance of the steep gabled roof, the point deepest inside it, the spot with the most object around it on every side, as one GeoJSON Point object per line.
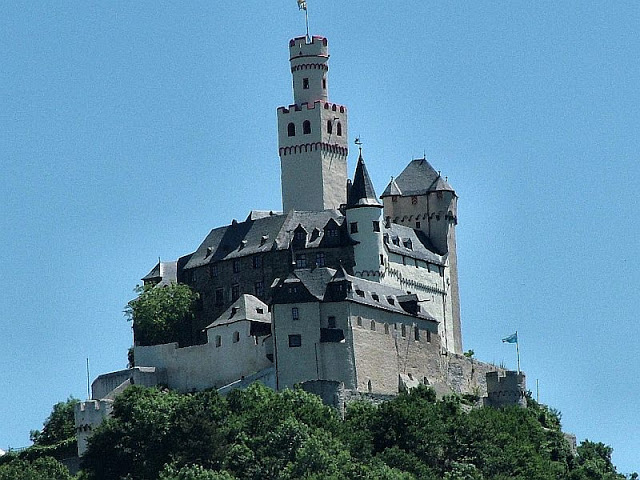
{"type": "Point", "coordinates": [261, 233]}
{"type": "Point", "coordinates": [361, 193]}
{"type": "Point", "coordinates": [418, 178]}
{"type": "Point", "coordinates": [247, 307]}
{"type": "Point", "coordinates": [420, 246]}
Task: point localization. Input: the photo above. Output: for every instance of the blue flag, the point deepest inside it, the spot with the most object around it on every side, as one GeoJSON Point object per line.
{"type": "Point", "coordinates": [513, 338]}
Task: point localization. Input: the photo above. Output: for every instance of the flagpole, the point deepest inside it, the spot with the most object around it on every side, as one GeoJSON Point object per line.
{"type": "Point", "coordinates": [518, 351]}
{"type": "Point", "coordinates": [306, 18]}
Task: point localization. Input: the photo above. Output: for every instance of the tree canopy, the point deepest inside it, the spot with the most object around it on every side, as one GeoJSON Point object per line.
{"type": "Point", "coordinates": [260, 434]}
{"type": "Point", "coordinates": [159, 313]}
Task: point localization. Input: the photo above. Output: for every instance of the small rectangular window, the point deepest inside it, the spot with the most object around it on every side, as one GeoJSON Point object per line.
{"type": "Point", "coordinates": [376, 226]}
{"type": "Point", "coordinates": [236, 266]}
{"type": "Point", "coordinates": [213, 271]}
{"type": "Point", "coordinates": [386, 328]}
{"type": "Point", "coordinates": [354, 227]}
{"type": "Point", "coordinates": [417, 224]}
{"type": "Point", "coordinates": [428, 336]}
{"type": "Point", "coordinates": [331, 322]}
{"type": "Point", "coordinates": [295, 314]}
{"type": "Point", "coordinates": [295, 340]}
{"type": "Point", "coordinates": [324, 83]}
{"type": "Point", "coordinates": [381, 259]}
{"type": "Point", "coordinates": [259, 288]}
{"type": "Point", "coordinates": [320, 259]}
{"type": "Point", "coordinates": [305, 83]}
{"type": "Point", "coordinates": [219, 296]}
{"type": "Point", "coordinates": [218, 340]}
{"type": "Point", "coordinates": [235, 292]}
{"type": "Point", "coordinates": [416, 333]}
{"type": "Point", "coordinates": [301, 260]}
{"type": "Point", "coordinates": [404, 330]}
{"type": "Point", "coordinates": [257, 261]}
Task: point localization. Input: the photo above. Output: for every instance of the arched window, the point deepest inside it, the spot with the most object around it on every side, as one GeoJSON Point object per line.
{"type": "Point", "coordinates": [339, 129]}
{"type": "Point", "coordinates": [306, 127]}
{"type": "Point", "coordinates": [291, 129]}
{"type": "Point", "coordinates": [329, 127]}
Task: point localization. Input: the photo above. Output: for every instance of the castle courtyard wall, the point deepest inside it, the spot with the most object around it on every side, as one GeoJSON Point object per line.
{"type": "Point", "coordinates": [199, 367]}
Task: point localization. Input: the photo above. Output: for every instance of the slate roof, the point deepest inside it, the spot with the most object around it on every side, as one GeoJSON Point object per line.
{"type": "Point", "coordinates": [317, 280]}
{"type": "Point", "coordinates": [247, 307]}
{"type": "Point", "coordinates": [262, 232]}
{"type": "Point", "coordinates": [411, 243]}
{"type": "Point", "coordinates": [418, 178]}
{"type": "Point", "coordinates": [163, 272]}
{"type": "Point", "coordinates": [361, 192]}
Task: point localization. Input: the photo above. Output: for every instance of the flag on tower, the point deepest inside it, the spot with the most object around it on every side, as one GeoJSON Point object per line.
{"type": "Point", "coordinates": [513, 338]}
{"type": "Point", "coordinates": [302, 4]}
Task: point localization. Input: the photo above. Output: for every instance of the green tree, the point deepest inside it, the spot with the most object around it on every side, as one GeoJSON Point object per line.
{"type": "Point", "coordinates": [159, 313]}
{"type": "Point", "coordinates": [192, 472]}
{"type": "Point", "coordinates": [45, 468]}
{"type": "Point", "coordinates": [59, 426]}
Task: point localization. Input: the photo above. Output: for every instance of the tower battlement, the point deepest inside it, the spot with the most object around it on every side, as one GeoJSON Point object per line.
{"type": "Point", "coordinates": [318, 47]}
{"type": "Point", "coordinates": [508, 388]}
{"type": "Point", "coordinates": [89, 414]}
{"type": "Point", "coordinates": [334, 107]}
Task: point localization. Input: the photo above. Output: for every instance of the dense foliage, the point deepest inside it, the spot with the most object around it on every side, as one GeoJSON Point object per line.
{"type": "Point", "coordinates": [261, 434]}
{"type": "Point", "coordinates": [160, 313]}
{"type": "Point", "coordinates": [44, 468]}
{"type": "Point", "coordinates": [58, 427]}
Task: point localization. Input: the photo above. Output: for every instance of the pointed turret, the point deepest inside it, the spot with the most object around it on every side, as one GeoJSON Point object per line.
{"type": "Point", "coordinates": [392, 189]}
{"type": "Point", "coordinates": [363, 214]}
{"type": "Point", "coordinates": [361, 193]}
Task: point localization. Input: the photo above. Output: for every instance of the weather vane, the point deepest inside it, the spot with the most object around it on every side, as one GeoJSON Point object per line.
{"type": "Point", "coordinates": [359, 143]}
{"type": "Point", "coordinates": [302, 5]}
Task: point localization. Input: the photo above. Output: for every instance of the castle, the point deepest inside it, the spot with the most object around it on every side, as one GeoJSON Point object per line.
{"type": "Point", "coordinates": [342, 291]}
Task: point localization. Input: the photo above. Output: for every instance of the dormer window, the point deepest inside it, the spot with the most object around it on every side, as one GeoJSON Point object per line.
{"type": "Point", "coordinates": [408, 244]}
{"type": "Point", "coordinates": [301, 260]}
{"type": "Point", "coordinates": [306, 127]}
{"type": "Point", "coordinates": [360, 293]}
{"type": "Point", "coordinates": [291, 129]}
{"type": "Point", "coordinates": [300, 236]}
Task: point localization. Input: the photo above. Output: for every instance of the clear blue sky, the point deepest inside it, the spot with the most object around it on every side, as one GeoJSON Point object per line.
{"type": "Point", "coordinates": [129, 129]}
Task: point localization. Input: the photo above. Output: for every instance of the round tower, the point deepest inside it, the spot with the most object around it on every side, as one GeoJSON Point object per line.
{"type": "Point", "coordinates": [363, 214]}
{"type": "Point", "coordinates": [312, 134]}
{"type": "Point", "coordinates": [309, 67]}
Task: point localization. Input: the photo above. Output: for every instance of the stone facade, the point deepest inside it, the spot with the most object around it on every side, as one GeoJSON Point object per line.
{"type": "Point", "coordinates": [348, 296]}
{"type": "Point", "coordinates": [88, 415]}
{"type": "Point", "coordinates": [506, 388]}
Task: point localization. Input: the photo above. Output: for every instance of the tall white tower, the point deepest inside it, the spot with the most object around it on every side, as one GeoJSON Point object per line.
{"type": "Point", "coordinates": [312, 134]}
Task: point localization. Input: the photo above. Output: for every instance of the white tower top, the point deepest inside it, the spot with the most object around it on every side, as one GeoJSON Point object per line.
{"type": "Point", "coordinates": [309, 68]}
{"type": "Point", "coordinates": [312, 134]}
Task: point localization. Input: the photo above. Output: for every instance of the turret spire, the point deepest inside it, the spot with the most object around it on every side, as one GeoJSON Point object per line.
{"type": "Point", "coordinates": [362, 192]}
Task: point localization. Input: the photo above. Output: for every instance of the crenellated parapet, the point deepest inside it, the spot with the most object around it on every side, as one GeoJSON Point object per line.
{"type": "Point", "coordinates": [313, 147]}
{"type": "Point", "coordinates": [88, 415]}
{"type": "Point", "coordinates": [506, 388]}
